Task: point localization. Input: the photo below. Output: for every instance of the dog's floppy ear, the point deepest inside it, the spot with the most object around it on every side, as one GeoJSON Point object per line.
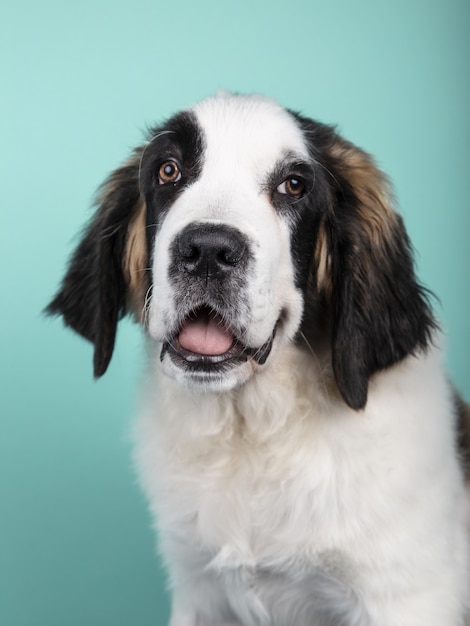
{"type": "Point", "coordinates": [106, 273]}
{"type": "Point", "coordinates": [379, 311]}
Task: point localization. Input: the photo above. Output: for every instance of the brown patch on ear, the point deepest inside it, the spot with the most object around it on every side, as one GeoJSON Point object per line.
{"type": "Point", "coordinates": [372, 189]}
{"type": "Point", "coordinates": [135, 263]}
{"type": "Point", "coordinates": [463, 433]}
{"type": "Point", "coordinates": [322, 260]}
{"type": "Point", "coordinates": [373, 208]}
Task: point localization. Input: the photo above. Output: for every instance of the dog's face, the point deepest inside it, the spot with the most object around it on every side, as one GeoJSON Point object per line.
{"type": "Point", "coordinates": [224, 187]}
{"type": "Point", "coordinates": [240, 227]}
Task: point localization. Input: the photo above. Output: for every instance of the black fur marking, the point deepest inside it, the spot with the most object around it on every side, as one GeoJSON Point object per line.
{"type": "Point", "coordinates": [462, 411]}
{"type": "Point", "coordinates": [304, 214]}
{"type": "Point", "coordinates": [91, 298]}
{"type": "Point", "coordinates": [380, 312]}
{"type": "Point", "coordinates": [182, 140]}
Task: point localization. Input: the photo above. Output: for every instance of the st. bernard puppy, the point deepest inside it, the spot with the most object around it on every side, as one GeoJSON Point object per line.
{"type": "Point", "coordinates": [302, 451]}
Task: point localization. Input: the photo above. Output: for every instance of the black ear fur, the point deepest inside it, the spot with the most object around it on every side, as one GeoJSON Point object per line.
{"type": "Point", "coordinates": [92, 297]}
{"type": "Point", "coordinates": [379, 313]}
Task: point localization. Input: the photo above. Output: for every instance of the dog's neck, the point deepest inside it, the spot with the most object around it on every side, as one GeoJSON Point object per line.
{"type": "Point", "coordinates": [256, 411]}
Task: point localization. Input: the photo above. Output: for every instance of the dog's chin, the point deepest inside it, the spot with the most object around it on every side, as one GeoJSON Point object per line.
{"type": "Point", "coordinates": [218, 379]}
{"type": "Point", "coordinates": [206, 355]}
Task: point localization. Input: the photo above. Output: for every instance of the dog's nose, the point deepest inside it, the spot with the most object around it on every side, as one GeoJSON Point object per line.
{"type": "Point", "coordinates": [210, 250]}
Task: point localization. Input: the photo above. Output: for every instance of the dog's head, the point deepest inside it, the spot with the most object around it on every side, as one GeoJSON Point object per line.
{"type": "Point", "coordinates": [238, 227]}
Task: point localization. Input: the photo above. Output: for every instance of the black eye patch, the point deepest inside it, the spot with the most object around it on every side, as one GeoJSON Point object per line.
{"type": "Point", "coordinates": [179, 141]}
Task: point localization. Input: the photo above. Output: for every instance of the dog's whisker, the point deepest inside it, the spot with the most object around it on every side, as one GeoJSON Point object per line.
{"type": "Point", "coordinates": [330, 173]}
{"type": "Point", "coordinates": [146, 307]}
{"type": "Point", "coordinates": [320, 369]}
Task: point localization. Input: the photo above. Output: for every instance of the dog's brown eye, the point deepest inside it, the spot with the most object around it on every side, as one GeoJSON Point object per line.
{"type": "Point", "coordinates": [293, 187]}
{"type": "Point", "coordinates": [169, 172]}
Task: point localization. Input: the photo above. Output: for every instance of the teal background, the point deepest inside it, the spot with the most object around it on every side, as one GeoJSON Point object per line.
{"type": "Point", "coordinates": [78, 83]}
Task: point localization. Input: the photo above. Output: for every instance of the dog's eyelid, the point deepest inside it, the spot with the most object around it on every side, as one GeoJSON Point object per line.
{"type": "Point", "coordinates": [295, 169]}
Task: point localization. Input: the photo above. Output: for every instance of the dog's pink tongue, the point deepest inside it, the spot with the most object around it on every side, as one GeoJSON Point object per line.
{"type": "Point", "coordinates": [205, 335]}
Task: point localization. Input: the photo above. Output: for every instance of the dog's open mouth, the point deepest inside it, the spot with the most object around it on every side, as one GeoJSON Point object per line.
{"type": "Point", "coordinates": [205, 339]}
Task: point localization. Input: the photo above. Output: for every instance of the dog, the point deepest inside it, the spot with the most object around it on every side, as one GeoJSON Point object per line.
{"type": "Point", "coordinates": [304, 456]}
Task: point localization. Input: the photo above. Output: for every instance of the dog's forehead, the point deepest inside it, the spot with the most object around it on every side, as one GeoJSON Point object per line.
{"type": "Point", "coordinates": [249, 129]}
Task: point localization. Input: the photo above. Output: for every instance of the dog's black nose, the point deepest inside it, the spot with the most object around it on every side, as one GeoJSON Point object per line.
{"type": "Point", "coordinates": [210, 250]}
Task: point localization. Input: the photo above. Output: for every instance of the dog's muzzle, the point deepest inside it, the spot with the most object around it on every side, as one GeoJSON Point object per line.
{"type": "Point", "coordinates": [205, 341]}
{"type": "Point", "coordinates": [210, 262]}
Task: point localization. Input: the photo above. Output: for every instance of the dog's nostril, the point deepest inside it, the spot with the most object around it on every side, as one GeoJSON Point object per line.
{"type": "Point", "coordinates": [191, 253]}
{"type": "Point", "coordinates": [230, 256]}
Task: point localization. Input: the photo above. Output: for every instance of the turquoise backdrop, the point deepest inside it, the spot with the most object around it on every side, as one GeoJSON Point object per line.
{"type": "Point", "coordinates": [78, 82]}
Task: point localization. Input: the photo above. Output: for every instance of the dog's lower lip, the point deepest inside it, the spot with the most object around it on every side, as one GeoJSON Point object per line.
{"type": "Point", "coordinates": [236, 351]}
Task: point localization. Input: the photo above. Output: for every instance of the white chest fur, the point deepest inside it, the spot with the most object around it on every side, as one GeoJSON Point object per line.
{"type": "Point", "coordinates": [278, 485]}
